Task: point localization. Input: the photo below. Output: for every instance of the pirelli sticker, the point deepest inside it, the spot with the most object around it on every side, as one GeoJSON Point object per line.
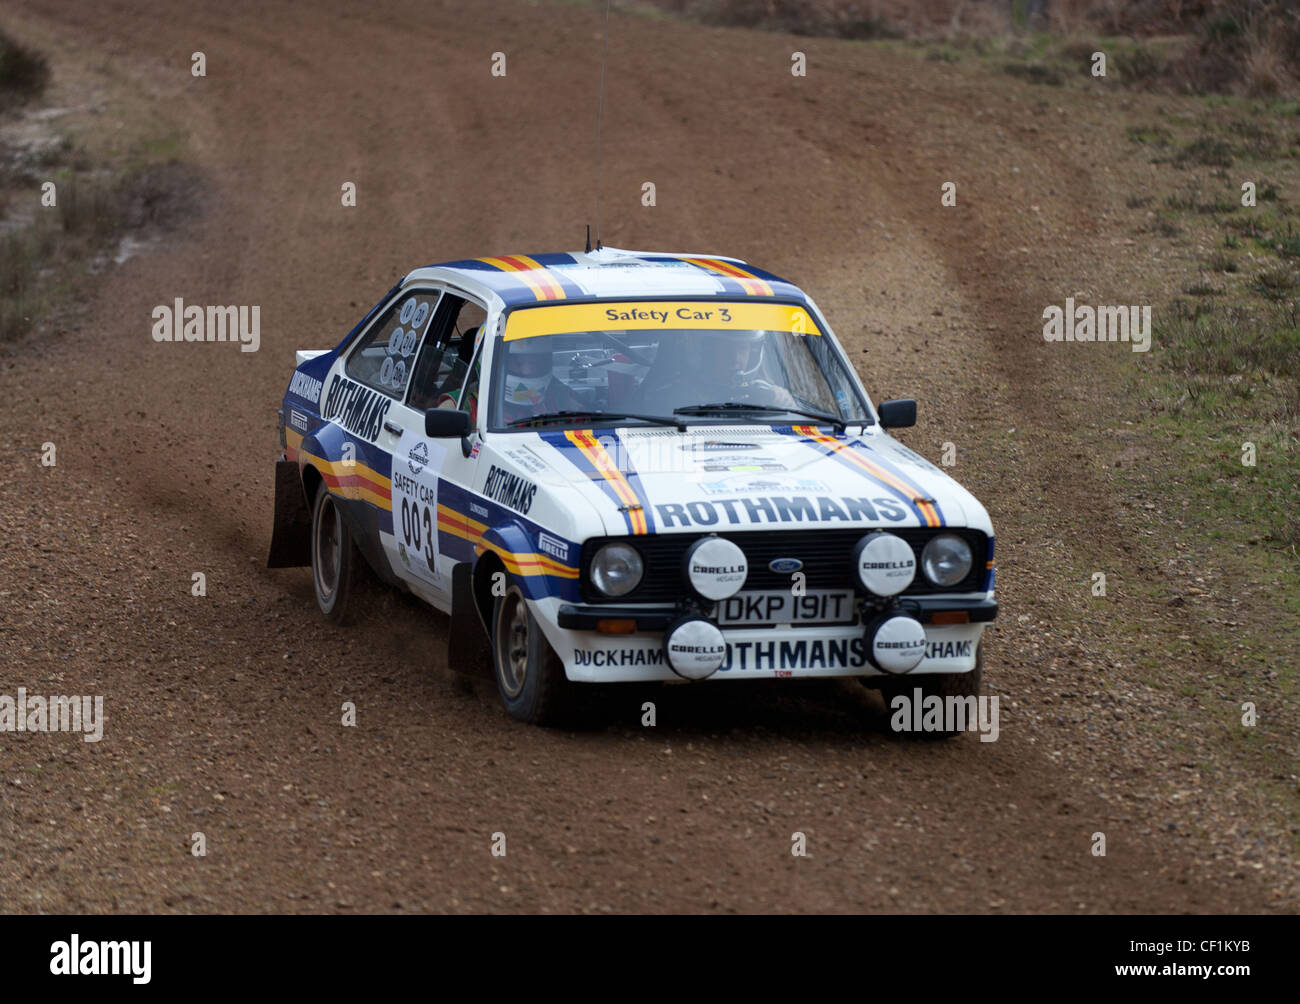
{"type": "Point", "coordinates": [658, 315]}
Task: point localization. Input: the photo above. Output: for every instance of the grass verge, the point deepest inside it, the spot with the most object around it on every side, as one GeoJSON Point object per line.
{"type": "Point", "coordinates": [64, 214]}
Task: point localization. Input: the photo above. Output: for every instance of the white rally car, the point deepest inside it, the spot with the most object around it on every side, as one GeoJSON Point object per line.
{"type": "Point", "coordinates": [626, 466]}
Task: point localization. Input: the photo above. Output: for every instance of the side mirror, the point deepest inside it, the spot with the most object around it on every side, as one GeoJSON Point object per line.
{"type": "Point", "coordinates": [443, 423]}
{"type": "Point", "coordinates": [900, 414]}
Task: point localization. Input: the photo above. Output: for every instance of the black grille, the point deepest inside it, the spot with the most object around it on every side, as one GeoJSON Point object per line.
{"type": "Point", "coordinates": [825, 555]}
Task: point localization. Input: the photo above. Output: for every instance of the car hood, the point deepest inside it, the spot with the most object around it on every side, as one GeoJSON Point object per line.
{"type": "Point", "coordinates": [742, 477]}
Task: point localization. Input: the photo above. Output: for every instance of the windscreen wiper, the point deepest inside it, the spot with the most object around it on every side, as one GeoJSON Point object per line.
{"type": "Point", "coordinates": [571, 414]}
{"type": "Point", "coordinates": [730, 406]}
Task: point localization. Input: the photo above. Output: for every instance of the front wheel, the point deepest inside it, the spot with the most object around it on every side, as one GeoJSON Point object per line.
{"type": "Point", "coordinates": [333, 557]}
{"type": "Point", "coordinates": [530, 677]}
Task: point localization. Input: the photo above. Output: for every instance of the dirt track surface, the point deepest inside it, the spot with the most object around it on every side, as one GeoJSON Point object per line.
{"type": "Point", "coordinates": [223, 712]}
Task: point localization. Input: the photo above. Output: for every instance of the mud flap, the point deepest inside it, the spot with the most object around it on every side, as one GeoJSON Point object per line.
{"type": "Point", "coordinates": [291, 534]}
{"type": "Point", "coordinates": [468, 650]}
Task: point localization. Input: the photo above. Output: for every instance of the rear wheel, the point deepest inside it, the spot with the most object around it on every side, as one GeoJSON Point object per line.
{"type": "Point", "coordinates": [530, 677]}
{"type": "Point", "coordinates": [940, 685]}
{"type": "Point", "coordinates": [333, 557]}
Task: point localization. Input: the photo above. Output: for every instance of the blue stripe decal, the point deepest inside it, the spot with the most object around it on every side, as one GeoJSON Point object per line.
{"type": "Point", "coordinates": [826, 451]}
{"type": "Point", "coordinates": [876, 458]}
{"type": "Point", "coordinates": [328, 440]}
{"type": "Point", "coordinates": [470, 264]}
{"type": "Point", "coordinates": [729, 285]}
{"type": "Point", "coordinates": [579, 459]}
{"type": "Point", "coordinates": [513, 291]}
{"type": "Point", "coordinates": [571, 289]}
{"type": "Point", "coordinates": [535, 587]}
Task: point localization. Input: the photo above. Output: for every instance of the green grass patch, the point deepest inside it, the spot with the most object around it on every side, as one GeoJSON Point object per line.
{"type": "Point", "coordinates": [1193, 201]}
{"type": "Point", "coordinates": [162, 148]}
{"type": "Point", "coordinates": [22, 297]}
{"type": "Point", "coordinates": [1204, 151]}
{"type": "Point", "coordinates": [1285, 243]}
{"type": "Point", "coordinates": [1276, 282]}
{"type": "Point", "coordinates": [1254, 140]}
{"type": "Point", "coordinates": [1035, 73]}
{"type": "Point", "coordinates": [1221, 261]}
{"type": "Point", "coordinates": [1151, 135]}
{"type": "Point", "coordinates": [1229, 339]}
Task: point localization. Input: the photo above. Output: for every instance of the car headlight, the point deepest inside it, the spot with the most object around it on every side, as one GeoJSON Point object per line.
{"type": "Point", "coordinates": [946, 560]}
{"type": "Point", "coordinates": [617, 569]}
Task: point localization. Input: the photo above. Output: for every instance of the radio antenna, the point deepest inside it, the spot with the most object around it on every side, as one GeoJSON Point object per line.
{"type": "Point", "coordinates": [600, 114]}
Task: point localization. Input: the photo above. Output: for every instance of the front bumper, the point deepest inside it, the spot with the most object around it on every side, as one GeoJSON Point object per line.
{"type": "Point", "coordinates": [592, 656]}
{"type": "Point", "coordinates": [574, 617]}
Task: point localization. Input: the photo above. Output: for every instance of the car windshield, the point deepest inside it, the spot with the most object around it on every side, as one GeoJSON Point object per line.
{"type": "Point", "coordinates": [655, 358]}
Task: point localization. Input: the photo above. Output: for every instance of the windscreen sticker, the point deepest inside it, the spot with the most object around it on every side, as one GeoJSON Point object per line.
{"type": "Point", "coordinates": [659, 315]}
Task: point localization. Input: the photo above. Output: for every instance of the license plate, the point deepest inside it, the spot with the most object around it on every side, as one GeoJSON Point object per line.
{"type": "Point", "coordinates": [758, 608]}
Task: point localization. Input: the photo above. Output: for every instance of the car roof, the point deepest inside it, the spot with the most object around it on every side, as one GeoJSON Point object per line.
{"type": "Point", "coordinates": [611, 273]}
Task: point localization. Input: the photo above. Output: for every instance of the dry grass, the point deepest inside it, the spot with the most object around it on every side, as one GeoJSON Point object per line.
{"type": "Point", "coordinates": [1222, 340]}
{"type": "Point", "coordinates": [1266, 70]}
{"type": "Point", "coordinates": [1277, 282]}
{"type": "Point", "coordinates": [1219, 46]}
{"type": "Point", "coordinates": [94, 210]}
{"type": "Point", "coordinates": [42, 256]}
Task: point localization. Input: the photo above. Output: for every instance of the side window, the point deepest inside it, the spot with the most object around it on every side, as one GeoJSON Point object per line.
{"type": "Point", "coordinates": [444, 363]}
{"type": "Point", "coordinates": [385, 355]}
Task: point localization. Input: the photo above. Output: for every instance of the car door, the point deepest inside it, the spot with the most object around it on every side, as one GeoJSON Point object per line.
{"type": "Point", "coordinates": [382, 360]}
{"type": "Point", "coordinates": [423, 468]}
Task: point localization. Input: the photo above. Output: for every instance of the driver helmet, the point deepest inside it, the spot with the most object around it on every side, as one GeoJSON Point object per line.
{"type": "Point", "coordinates": [738, 353]}
{"type": "Point", "coordinates": [528, 375]}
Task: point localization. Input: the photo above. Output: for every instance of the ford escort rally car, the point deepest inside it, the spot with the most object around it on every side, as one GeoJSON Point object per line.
{"type": "Point", "coordinates": [621, 466]}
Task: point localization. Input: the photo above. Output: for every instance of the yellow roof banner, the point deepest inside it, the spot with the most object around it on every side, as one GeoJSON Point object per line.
{"type": "Point", "coordinates": [665, 315]}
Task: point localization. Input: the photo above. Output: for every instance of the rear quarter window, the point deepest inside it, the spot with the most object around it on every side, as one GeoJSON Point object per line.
{"type": "Point", "coordinates": [385, 355]}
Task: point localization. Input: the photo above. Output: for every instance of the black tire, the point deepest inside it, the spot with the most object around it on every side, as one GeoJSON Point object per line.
{"type": "Point", "coordinates": [530, 677]}
{"type": "Point", "coordinates": [941, 685]}
{"type": "Point", "coordinates": [333, 557]}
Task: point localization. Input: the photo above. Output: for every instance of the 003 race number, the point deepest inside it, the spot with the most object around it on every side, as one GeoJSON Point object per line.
{"type": "Point", "coordinates": [418, 528]}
